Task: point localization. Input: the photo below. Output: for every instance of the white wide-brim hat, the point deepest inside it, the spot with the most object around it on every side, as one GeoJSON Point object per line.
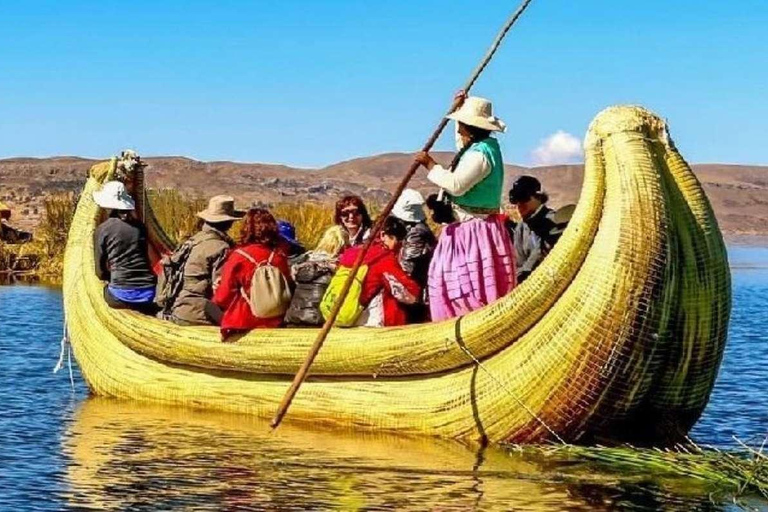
{"type": "Point", "coordinates": [478, 112]}
{"type": "Point", "coordinates": [114, 196]}
{"type": "Point", "coordinates": [410, 206]}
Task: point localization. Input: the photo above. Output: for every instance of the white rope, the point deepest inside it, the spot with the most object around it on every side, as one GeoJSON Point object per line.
{"type": "Point", "coordinates": [504, 387]}
{"type": "Point", "coordinates": [66, 346]}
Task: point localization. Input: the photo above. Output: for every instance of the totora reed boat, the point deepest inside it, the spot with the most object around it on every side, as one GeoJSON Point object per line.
{"type": "Point", "coordinates": [616, 337]}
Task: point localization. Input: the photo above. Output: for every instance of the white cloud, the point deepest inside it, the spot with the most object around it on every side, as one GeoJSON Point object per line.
{"type": "Point", "coordinates": [559, 148]}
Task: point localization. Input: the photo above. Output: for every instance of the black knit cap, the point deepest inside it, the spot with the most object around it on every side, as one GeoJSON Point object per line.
{"type": "Point", "coordinates": [524, 188]}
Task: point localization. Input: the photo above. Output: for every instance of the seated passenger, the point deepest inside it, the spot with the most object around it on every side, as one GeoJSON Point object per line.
{"type": "Point", "coordinates": [200, 272]}
{"type": "Point", "coordinates": [287, 233]}
{"type": "Point", "coordinates": [312, 273]}
{"type": "Point", "coordinates": [120, 252]}
{"type": "Point", "coordinates": [260, 245]}
{"type": "Point", "coordinates": [387, 288]}
{"type": "Point", "coordinates": [418, 246]}
{"type": "Point", "coordinates": [539, 229]}
{"type": "Point", "coordinates": [352, 215]}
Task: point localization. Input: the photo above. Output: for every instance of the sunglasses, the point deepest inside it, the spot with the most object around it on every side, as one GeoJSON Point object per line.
{"type": "Point", "coordinates": [350, 213]}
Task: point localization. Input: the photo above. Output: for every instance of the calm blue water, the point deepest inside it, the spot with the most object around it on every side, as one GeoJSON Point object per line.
{"type": "Point", "coordinates": [61, 449]}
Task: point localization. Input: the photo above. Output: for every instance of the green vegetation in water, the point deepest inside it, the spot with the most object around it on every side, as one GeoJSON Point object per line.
{"type": "Point", "coordinates": [43, 257]}
{"type": "Point", "coordinates": [175, 212]}
{"type": "Point", "coordinates": [735, 475]}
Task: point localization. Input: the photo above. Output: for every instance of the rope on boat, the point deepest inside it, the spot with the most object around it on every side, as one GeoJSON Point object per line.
{"type": "Point", "coordinates": [505, 388]}
{"type": "Point", "coordinates": [66, 346]}
{"type": "Point", "coordinates": [323, 334]}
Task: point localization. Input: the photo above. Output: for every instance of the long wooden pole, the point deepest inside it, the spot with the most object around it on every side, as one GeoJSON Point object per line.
{"type": "Point", "coordinates": [304, 370]}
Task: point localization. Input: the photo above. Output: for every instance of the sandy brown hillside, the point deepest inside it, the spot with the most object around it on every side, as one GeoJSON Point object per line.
{"type": "Point", "coordinates": [738, 193]}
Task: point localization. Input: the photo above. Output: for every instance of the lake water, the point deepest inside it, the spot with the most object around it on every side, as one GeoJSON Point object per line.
{"type": "Point", "coordinates": [64, 450]}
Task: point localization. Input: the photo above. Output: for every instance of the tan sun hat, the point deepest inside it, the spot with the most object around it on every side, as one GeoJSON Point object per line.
{"type": "Point", "coordinates": [478, 112]}
{"type": "Point", "coordinates": [221, 209]}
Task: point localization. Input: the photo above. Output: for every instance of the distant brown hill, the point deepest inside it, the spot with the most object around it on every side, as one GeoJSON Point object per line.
{"type": "Point", "coordinates": [739, 193]}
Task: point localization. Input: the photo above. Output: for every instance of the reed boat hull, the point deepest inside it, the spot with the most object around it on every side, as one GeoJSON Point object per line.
{"type": "Point", "coordinates": [617, 336]}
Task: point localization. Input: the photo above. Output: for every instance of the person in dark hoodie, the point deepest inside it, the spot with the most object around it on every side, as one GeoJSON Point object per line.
{"type": "Point", "coordinates": [539, 229]}
{"type": "Point", "coordinates": [121, 252]}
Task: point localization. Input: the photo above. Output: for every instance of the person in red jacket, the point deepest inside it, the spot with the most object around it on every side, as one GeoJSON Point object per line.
{"type": "Point", "coordinates": [259, 239]}
{"type": "Point", "coordinates": [387, 288]}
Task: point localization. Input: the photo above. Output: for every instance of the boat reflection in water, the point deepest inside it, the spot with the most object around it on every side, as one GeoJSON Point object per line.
{"type": "Point", "coordinates": [130, 455]}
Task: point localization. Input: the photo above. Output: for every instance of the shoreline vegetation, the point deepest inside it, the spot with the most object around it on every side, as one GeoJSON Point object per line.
{"type": "Point", "coordinates": [42, 259]}
{"type": "Point", "coordinates": [735, 473]}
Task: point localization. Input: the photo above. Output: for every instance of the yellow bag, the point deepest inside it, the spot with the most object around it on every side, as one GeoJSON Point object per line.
{"type": "Point", "coordinates": [351, 309]}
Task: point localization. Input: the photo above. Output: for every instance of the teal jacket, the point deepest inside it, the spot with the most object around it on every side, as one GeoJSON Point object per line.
{"type": "Point", "coordinates": [487, 193]}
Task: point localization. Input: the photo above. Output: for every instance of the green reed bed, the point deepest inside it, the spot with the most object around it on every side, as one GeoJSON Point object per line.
{"type": "Point", "coordinates": [43, 257]}
{"type": "Point", "coordinates": [176, 212]}
{"type": "Point", "coordinates": [5, 257]}
{"type": "Point", "coordinates": [50, 238]}
{"type": "Point", "coordinates": [739, 473]}
{"type": "Point", "coordinates": [311, 219]}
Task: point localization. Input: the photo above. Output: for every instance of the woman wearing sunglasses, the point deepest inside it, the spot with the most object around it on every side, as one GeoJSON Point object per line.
{"type": "Point", "coordinates": [352, 216]}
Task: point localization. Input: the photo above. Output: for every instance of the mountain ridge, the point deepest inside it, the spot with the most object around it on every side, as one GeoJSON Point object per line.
{"type": "Point", "coordinates": [738, 192]}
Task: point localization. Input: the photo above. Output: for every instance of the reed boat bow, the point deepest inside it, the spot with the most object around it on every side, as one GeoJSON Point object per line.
{"type": "Point", "coordinates": [616, 336]}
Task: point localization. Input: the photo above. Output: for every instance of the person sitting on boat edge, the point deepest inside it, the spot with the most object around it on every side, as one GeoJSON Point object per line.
{"type": "Point", "coordinates": [386, 288]}
{"type": "Point", "coordinates": [352, 215]}
{"type": "Point", "coordinates": [538, 231]}
{"type": "Point", "coordinates": [418, 247]}
{"type": "Point", "coordinates": [474, 262]}
{"type": "Point", "coordinates": [260, 246]}
{"type": "Point", "coordinates": [312, 272]}
{"type": "Point", "coordinates": [121, 252]}
{"type": "Point", "coordinates": [201, 271]}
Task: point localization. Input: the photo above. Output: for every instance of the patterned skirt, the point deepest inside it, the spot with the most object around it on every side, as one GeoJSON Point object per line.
{"type": "Point", "coordinates": [473, 265]}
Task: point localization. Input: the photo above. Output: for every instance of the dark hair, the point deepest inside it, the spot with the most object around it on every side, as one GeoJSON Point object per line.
{"type": "Point", "coordinates": [219, 226]}
{"type": "Point", "coordinates": [352, 201]}
{"type": "Point", "coordinates": [442, 212]}
{"type": "Point", "coordinates": [394, 227]}
{"type": "Point", "coordinates": [120, 214]}
{"type": "Point", "coordinates": [259, 227]}
{"type": "Point", "coordinates": [524, 188]}
{"type": "Point", "coordinates": [475, 135]}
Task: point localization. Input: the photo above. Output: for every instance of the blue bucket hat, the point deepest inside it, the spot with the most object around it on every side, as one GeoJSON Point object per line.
{"type": "Point", "coordinates": [288, 233]}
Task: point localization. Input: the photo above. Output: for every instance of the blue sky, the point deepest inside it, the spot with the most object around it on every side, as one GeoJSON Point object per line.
{"type": "Point", "coordinates": [310, 83]}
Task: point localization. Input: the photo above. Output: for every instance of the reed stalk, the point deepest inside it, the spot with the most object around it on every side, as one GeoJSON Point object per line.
{"type": "Point", "coordinates": [738, 473]}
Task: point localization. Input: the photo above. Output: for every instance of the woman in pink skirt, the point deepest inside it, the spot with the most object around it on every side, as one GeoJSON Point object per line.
{"type": "Point", "coordinates": [474, 263]}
